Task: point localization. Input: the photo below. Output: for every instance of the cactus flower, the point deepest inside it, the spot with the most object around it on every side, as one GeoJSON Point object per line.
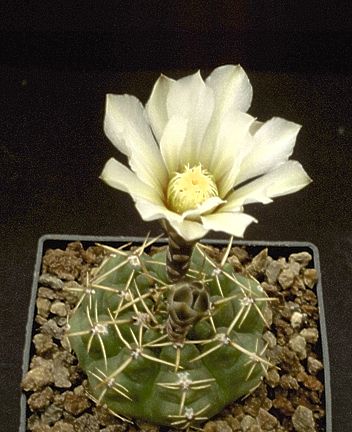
{"type": "Point", "coordinates": [196, 157]}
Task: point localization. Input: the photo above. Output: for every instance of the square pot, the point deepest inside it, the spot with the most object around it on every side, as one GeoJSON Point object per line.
{"type": "Point", "coordinates": [275, 250]}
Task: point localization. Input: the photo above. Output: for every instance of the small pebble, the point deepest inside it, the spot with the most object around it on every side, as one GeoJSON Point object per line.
{"type": "Point", "coordinates": [311, 311]}
{"type": "Point", "coordinates": [258, 264]}
{"type": "Point", "coordinates": [40, 320]}
{"type": "Point", "coordinates": [71, 292]}
{"type": "Point", "coordinates": [64, 357]}
{"type": "Point", "coordinates": [147, 427]}
{"type": "Point", "coordinates": [43, 306]}
{"type": "Point", "coordinates": [43, 343]}
{"type": "Point", "coordinates": [240, 253]}
{"type": "Point", "coordinates": [273, 270]}
{"type": "Point", "coordinates": [32, 422]}
{"type": "Point", "coordinates": [270, 339]}
{"type": "Point", "coordinates": [38, 361]}
{"type": "Point", "coordinates": [294, 267]}
{"type": "Point", "coordinates": [80, 390]}
{"type": "Point", "coordinates": [86, 423]}
{"type": "Point", "coordinates": [252, 406]}
{"type": "Point", "coordinates": [255, 428]}
{"type": "Point", "coordinates": [298, 345]}
{"type": "Point", "coordinates": [62, 426]}
{"type": "Point", "coordinates": [40, 400]}
{"type": "Point", "coordinates": [235, 262]}
{"type": "Point", "coordinates": [93, 255]}
{"type": "Point", "coordinates": [51, 328]}
{"type": "Point", "coordinates": [52, 414]}
{"type": "Point", "coordinates": [310, 277]}
{"type": "Point", "coordinates": [40, 427]}
{"type": "Point", "coordinates": [234, 423]}
{"type": "Point", "coordinates": [114, 428]}
{"type": "Point", "coordinates": [288, 382]}
{"type": "Point", "coordinates": [297, 320]}
{"type": "Point", "coordinates": [286, 278]}
{"type": "Point", "coordinates": [105, 418]}
{"type": "Point", "coordinates": [303, 420]}
{"type": "Point", "coordinates": [61, 321]}
{"type": "Point", "coordinates": [273, 377]}
{"type": "Point", "coordinates": [76, 404]}
{"type": "Point", "coordinates": [59, 399]}
{"type": "Point", "coordinates": [65, 265]}
{"type": "Point", "coordinates": [266, 421]}
{"type": "Point", "coordinates": [58, 308]}
{"type": "Point", "coordinates": [314, 365]}
{"type": "Point", "coordinates": [312, 383]}
{"type": "Point", "coordinates": [247, 422]}
{"type": "Point", "coordinates": [218, 426]}
{"type": "Point", "coordinates": [283, 404]}
{"type": "Point", "coordinates": [311, 335]}
{"type": "Point", "coordinates": [47, 293]}
{"type": "Point", "coordinates": [61, 377]}
{"type": "Point", "coordinates": [268, 316]}
{"type": "Point", "coordinates": [298, 287]}
{"type": "Point", "coordinates": [51, 281]}
{"type": "Point", "coordinates": [303, 258]}
{"type": "Point", "coordinates": [65, 343]}
{"type": "Point", "coordinates": [38, 377]}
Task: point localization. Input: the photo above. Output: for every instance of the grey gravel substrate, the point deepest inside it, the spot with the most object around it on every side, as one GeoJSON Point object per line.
{"type": "Point", "coordinates": [289, 398]}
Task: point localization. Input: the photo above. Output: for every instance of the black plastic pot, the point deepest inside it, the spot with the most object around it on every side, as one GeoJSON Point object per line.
{"type": "Point", "coordinates": [276, 249]}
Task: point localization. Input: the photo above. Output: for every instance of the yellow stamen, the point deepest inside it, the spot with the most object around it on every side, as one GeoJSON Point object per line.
{"type": "Point", "coordinates": [190, 188]}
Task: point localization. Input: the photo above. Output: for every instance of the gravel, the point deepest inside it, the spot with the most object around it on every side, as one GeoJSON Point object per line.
{"type": "Point", "coordinates": [289, 398]}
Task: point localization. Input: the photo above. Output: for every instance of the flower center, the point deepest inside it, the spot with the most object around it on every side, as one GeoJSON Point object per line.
{"type": "Point", "coordinates": [189, 188]}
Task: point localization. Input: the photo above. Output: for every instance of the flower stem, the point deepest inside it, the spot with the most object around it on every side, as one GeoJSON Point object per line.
{"type": "Point", "coordinates": [178, 257]}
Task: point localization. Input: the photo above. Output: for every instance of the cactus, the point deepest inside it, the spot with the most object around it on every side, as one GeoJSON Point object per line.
{"type": "Point", "coordinates": [172, 354]}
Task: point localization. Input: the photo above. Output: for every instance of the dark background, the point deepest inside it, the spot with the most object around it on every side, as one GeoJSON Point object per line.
{"type": "Point", "coordinates": [57, 62]}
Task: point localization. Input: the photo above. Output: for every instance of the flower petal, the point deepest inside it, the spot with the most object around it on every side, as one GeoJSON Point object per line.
{"type": "Point", "coordinates": [118, 176]}
{"type": "Point", "coordinates": [156, 106]}
{"type": "Point", "coordinates": [231, 223]}
{"type": "Point", "coordinates": [191, 99]}
{"type": "Point", "coordinates": [172, 142]}
{"type": "Point", "coordinates": [153, 211]}
{"type": "Point", "coordinates": [231, 87]}
{"type": "Point", "coordinates": [287, 178]}
{"type": "Point", "coordinates": [233, 142]}
{"type": "Point", "coordinates": [255, 126]}
{"type": "Point", "coordinates": [207, 206]}
{"type": "Point", "coordinates": [125, 125]}
{"type": "Point", "coordinates": [273, 144]}
{"type": "Point", "coordinates": [233, 94]}
{"type": "Point", "coordinates": [189, 230]}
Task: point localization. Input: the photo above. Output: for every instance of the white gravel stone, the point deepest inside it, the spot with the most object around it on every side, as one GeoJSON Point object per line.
{"type": "Point", "coordinates": [311, 335]}
{"type": "Point", "coordinates": [58, 308]}
{"type": "Point", "coordinates": [298, 345]}
{"type": "Point", "coordinates": [297, 320]}
{"type": "Point", "coordinates": [314, 365]}
{"type": "Point", "coordinates": [270, 339]}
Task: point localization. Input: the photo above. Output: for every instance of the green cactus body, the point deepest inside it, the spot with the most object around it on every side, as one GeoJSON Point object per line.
{"type": "Point", "coordinates": [118, 334]}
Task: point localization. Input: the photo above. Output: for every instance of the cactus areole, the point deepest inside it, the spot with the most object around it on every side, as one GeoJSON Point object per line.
{"type": "Point", "coordinates": [174, 354]}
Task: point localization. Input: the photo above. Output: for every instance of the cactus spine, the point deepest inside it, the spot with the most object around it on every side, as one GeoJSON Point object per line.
{"type": "Point", "coordinates": [126, 330]}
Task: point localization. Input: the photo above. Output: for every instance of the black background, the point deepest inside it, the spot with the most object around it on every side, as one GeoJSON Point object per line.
{"type": "Point", "coordinates": [57, 62]}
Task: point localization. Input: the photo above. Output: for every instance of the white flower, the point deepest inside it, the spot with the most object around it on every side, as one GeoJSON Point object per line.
{"type": "Point", "coordinates": [196, 157]}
